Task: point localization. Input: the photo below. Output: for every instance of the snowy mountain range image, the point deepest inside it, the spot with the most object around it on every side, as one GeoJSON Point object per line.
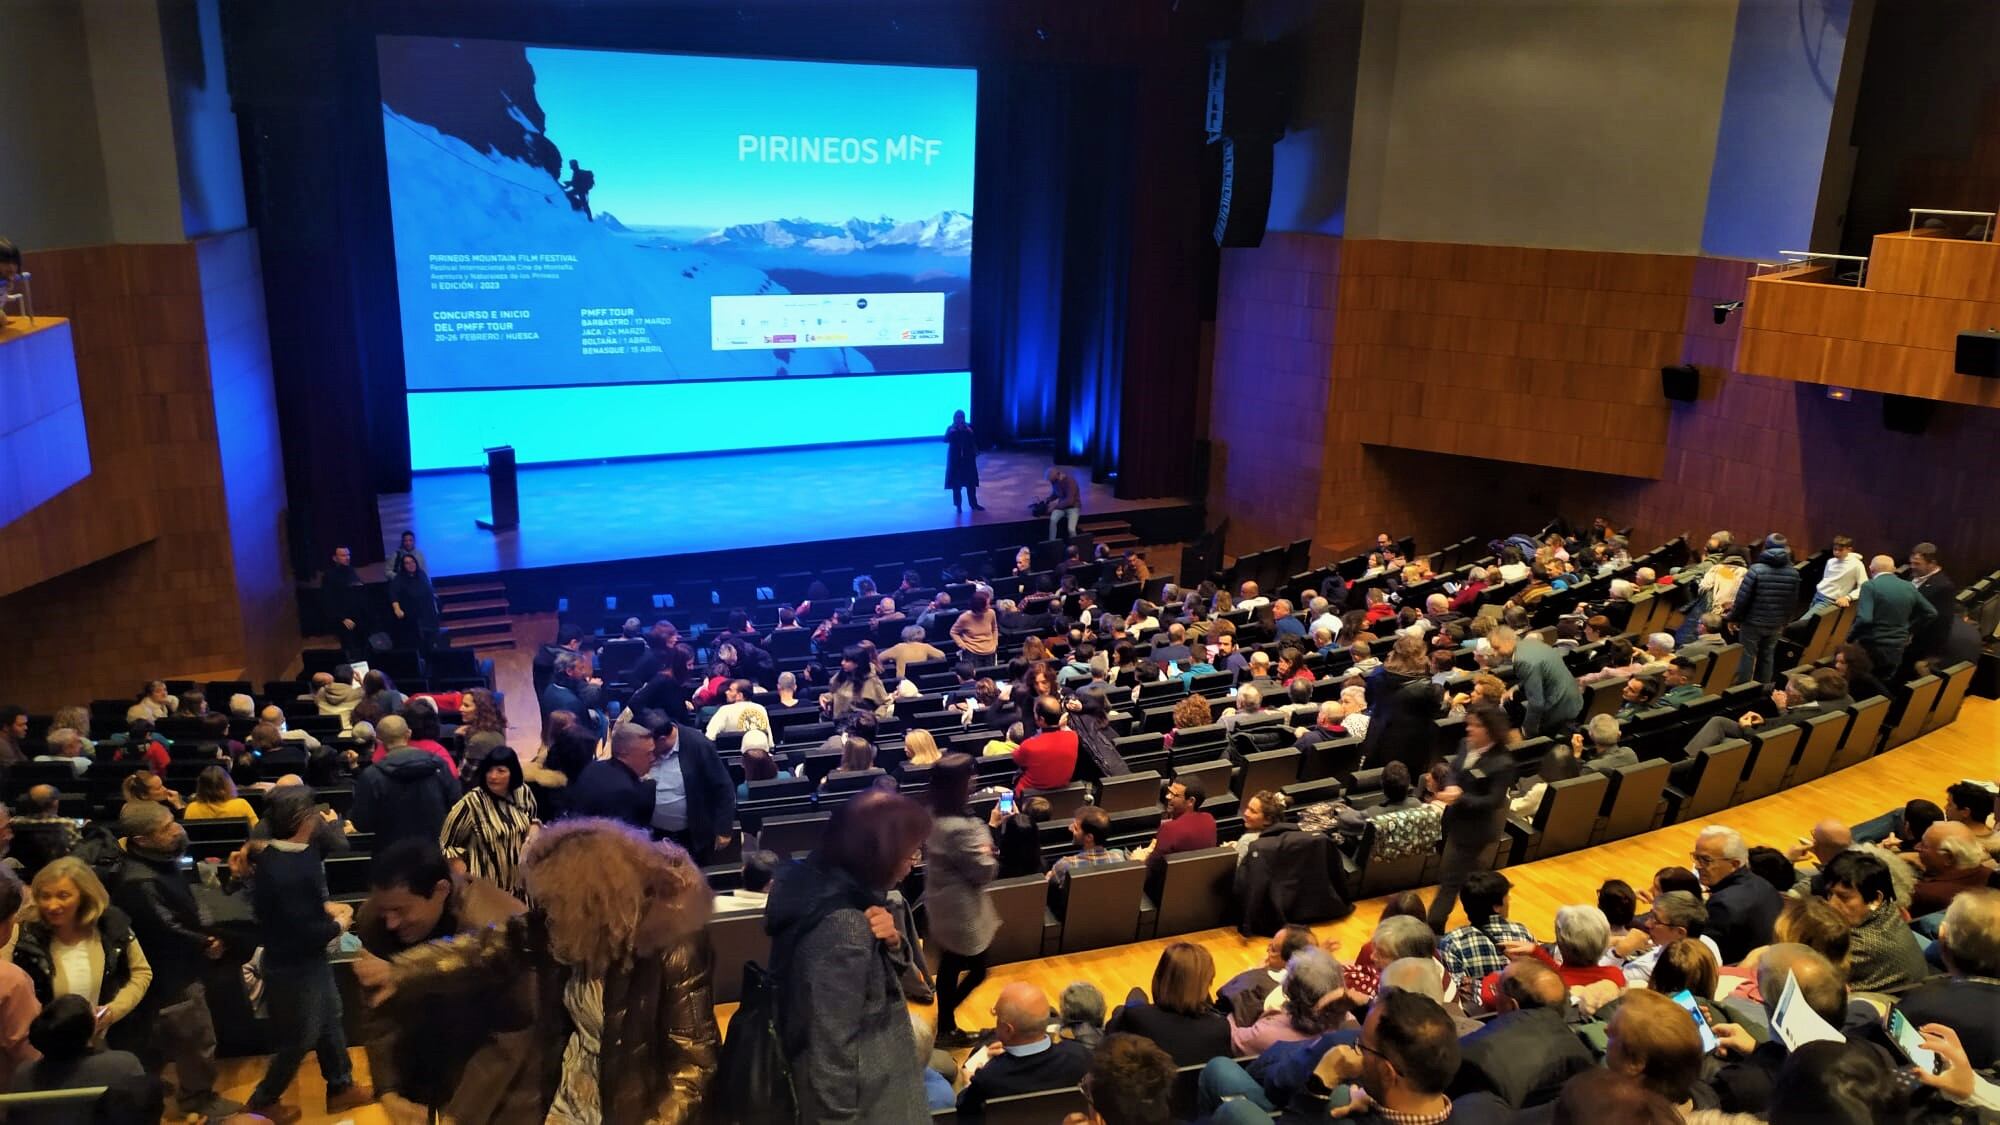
{"type": "Point", "coordinates": [947, 232]}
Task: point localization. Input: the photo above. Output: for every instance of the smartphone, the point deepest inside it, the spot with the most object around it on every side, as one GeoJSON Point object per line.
{"type": "Point", "coordinates": [1686, 1000]}
{"type": "Point", "coordinates": [187, 863]}
{"type": "Point", "coordinates": [1911, 1043]}
{"type": "Point", "coordinates": [1006, 804]}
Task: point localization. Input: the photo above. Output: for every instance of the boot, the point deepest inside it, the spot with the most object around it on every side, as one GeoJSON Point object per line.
{"type": "Point", "coordinates": [972, 494]}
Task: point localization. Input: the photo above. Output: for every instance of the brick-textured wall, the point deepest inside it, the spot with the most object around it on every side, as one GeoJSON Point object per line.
{"type": "Point", "coordinates": [146, 547]}
{"type": "Point", "coordinates": [1752, 455]}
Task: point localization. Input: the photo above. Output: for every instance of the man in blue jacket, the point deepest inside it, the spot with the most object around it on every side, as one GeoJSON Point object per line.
{"type": "Point", "coordinates": [1766, 599]}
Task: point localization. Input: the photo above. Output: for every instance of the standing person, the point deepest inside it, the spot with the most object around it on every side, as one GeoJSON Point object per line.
{"type": "Point", "coordinates": [1475, 800]}
{"type": "Point", "coordinates": [159, 900]}
{"type": "Point", "coordinates": [1550, 697]}
{"type": "Point", "coordinates": [73, 942]}
{"type": "Point", "coordinates": [1890, 611]}
{"type": "Point", "coordinates": [614, 953]}
{"type": "Point", "coordinates": [414, 602]}
{"type": "Point", "coordinates": [959, 860]}
{"type": "Point", "coordinates": [344, 599]}
{"type": "Point", "coordinates": [484, 833]}
{"type": "Point", "coordinates": [961, 462]}
{"type": "Point", "coordinates": [407, 793]}
{"type": "Point", "coordinates": [1766, 601]}
{"type": "Point", "coordinates": [1065, 500]}
{"type": "Point", "coordinates": [295, 923]}
{"type": "Point", "coordinates": [839, 960]}
{"type": "Point", "coordinates": [482, 723]}
{"type": "Point", "coordinates": [1940, 590]}
{"type": "Point", "coordinates": [694, 798]}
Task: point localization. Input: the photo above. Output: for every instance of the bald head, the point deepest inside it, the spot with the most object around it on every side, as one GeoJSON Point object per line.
{"type": "Point", "coordinates": [1021, 1014]}
{"type": "Point", "coordinates": [1881, 564]}
{"type": "Point", "coordinates": [1830, 838]}
{"type": "Point", "coordinates": [42, 800]}
{"type": "Point", "coordinates": [289, 779]}
{"type": "Point", "coordinates": [1420, 975]}
{"type": "Point", "coordinates": [1950, 845]}
{"type": "Point", "coordinates": [1819, 982]}
{"type": "Point", "coordinates": [1529, 983]}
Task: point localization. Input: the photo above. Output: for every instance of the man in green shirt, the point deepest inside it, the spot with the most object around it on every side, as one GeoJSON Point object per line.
{"type": "Point", "coordinates": [1682, 687]}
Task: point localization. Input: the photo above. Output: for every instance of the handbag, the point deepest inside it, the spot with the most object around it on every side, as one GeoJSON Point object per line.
{"type": "Point", "coordinates": [753, 1078]}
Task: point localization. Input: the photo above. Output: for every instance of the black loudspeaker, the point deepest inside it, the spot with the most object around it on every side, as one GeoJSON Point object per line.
{"type": "Point", "coordinates": [1906, 415]}
{"type": "Point", "coordinates": [1245, 202]}
{"type": "Point", "coordinates": [1681, 383]}
{"type": "Point", "coordinates": [1979, 354]}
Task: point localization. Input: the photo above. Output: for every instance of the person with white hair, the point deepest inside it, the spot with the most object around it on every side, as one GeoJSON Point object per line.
{"type": "Point", "coordinates": [1952, 862]}
{"type": "Point", "coordinates": [241, 706]}
{"type": "Point", "coordinates": [1889, 611]}
{"type": "Point", "coordinates": [1742, 907]}
{"type": "Point", "coordinates": [1660, 647]}
{"type": "Point", "coordinates": [1597, 744]}
{"type": "Point", "coordinates": [1324, 617]}
{"type": "Point", "coordinates": [1354, 710]}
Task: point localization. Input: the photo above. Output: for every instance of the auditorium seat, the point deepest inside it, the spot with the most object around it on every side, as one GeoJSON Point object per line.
{"type": "Point", "coordinates": [1721, 670]}
{"type": "Point", "coordinates": [1771, 755]}
{"type": "Point", "coordinates": [1823, 734]}
{"type": "Point", "coordinates": [1027, 926]}
{"type": "Point", "coordinates": [737, 938]}
{"type": "Point", "coordinates": [1136, 790]}
{"type": "Point", "coordinates": [1565, 820]}
{"type": "Point", "coordinates": [1864, 734]}
{"type": "Point", "coordinates": [1391, 852]}
{"type": "Point", "coordinates": [1064, 802]}
{"type": "Point", "coordinates": [1913, 717]}
{"type": "Point", "coordinates": [1635, 802]}
{"type": "Point", "coordinates": [1268, 769]}
{"type": "Point", "coordinates": [1710, 781]}
{"type": "Point", "coordinates": [1212, 775]}
{"type": "Point", "coordinates": [1100, 906]}
{"type": "Point", "coordinates": [1957, 680]}
{"type": "Point", "coordinates": [793, 834]}
{"type": "Point", "coordinates": [1036, 1109]}
{"type": "Point", "coordinates": [1197, 891]}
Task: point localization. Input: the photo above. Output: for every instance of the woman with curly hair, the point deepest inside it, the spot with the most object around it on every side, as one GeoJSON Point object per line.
{"type": "Point", "coordinates": [1193, 711]}
{"type": "Point", "coordinates": [613, 950]}
{"type": "Point", "coordinates": [482, 724]}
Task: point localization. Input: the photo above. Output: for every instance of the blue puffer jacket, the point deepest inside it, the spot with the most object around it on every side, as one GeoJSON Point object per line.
{"type": "Point", "coordinates": [1768, 597]}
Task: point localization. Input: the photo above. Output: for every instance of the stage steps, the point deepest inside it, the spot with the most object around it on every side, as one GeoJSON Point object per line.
{"type": "Point", "coordinates": [477, 613]}
{"type": "Point", "coordinates": [1115, 534]}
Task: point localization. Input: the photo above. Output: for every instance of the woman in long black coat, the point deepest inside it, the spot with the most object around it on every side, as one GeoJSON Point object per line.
{"type": "Point", "coordinates": [961, 462]}
{"type": "Point", "coordinates": [414, 602]}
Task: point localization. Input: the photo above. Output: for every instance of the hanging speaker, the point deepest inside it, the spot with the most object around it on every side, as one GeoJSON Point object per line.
{"type": "Point", "coordinates": [1978, 354]}
{"type": "Point", "coordinates": [1681, 383]}
{"type": "Point", "coordinates": [1245, 202]}
{"type": "Point", "coordinates": [1905, 415]}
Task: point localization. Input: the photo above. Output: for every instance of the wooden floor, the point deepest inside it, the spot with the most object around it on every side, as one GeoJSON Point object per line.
{"type": "Point", "coordinates": [1968, 748]}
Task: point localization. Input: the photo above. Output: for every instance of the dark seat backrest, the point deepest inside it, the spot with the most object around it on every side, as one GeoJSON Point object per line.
{"type": "Point", "coordinates": [1022, 904]}
{"type": "Point", "coordinates": [737, 938]}
{"type": "Point", "coordinates": [1213, 774]}
{"type": "Point", "coordinates": [1717, 770]}
{"type": "Point", "coordinates": [1771, 755]}
{"type": "Point", "coordinates": [791, 835]}
{"type": "Point", "coordinates": [1915, 714]}
{"type": "Point", "coordinates": [1271, 769]}
{"type": "Point", "coordinates": [1035, 1109]}
{"type": "Point", "coordinates": [1137, 790]}
{"type": "Point", "coordinates": [1635, 798]}
{"type": "Point", "coordinates": [1198, 891]}
{"type": "Point", "coordinates": [1100, 907]}
{"type": "Point", "coordinates": [1864, 733]}
{"type": "Point", "coordinates": [1569, 812]}
{"type": "Point", "coordinates": [1063, 802]}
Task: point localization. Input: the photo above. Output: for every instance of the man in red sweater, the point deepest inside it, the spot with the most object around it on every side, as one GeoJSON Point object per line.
{"type": "Point", "coordinates": [1185, 828]}
{"type": "Point", "coordinates": [1048, 760]}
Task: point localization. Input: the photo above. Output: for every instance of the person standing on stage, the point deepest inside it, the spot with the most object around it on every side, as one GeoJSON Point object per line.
{"type": "Point", "coordinates": [961, 463]}
{"type": "Point", "coordinates": [1065, 499]}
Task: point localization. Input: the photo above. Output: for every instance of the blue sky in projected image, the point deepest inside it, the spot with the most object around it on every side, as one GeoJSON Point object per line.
{"type": "Point", "coordinates": [660, 133]}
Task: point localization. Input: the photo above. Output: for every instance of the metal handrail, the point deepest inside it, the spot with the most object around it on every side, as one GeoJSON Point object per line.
{"type": "Point", "coordinates": [1987, 226]}
{"type": "Point", "coordinates": [1802, 256]}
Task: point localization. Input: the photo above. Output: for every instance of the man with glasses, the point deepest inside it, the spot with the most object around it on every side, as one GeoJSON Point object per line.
{"type": "Point", "coordinates": [1396, 1073]}
{"type": "Point", "coordinates": [1675, 915]}
{"type": "Point", "coordinates": [1742, 907]}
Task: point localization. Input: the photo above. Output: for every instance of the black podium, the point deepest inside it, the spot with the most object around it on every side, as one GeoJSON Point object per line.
{"type": "Point", "coordinates": [504, 488]}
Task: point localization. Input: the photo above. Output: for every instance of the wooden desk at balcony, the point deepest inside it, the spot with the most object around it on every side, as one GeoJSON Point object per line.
{"type": "Point", "coordinates": [1896, 336]}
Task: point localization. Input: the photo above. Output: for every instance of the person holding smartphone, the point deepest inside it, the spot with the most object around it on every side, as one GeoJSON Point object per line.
{"type": "Point", "coordinates": [959, 861]}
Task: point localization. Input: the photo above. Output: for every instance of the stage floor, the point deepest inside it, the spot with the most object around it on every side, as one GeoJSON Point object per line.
{"type": "Point", "coordinates": [578, 514]}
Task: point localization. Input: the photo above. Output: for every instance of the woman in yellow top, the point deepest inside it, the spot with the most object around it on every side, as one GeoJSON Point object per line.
{"type": "Point", "coordinates": [215, 798]}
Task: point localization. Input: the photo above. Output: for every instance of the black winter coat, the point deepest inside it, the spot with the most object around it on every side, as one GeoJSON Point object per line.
{"type": "Point", "coordinates": [961, 459]}
{"type": "Point", "coordinates": [1768, 597]}
{"type": "Point", "coordinates": [167, 922]}
{"type": "Point", "coordinates": [1289, 876]}
{"type": "Point", "coordinates": [405, 794]}
{"type": "Point", "coordinates": [32, 952]}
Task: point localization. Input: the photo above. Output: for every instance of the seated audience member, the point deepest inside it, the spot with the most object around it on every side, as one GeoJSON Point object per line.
{"type": "Point", "coordinates": [1690, 966]}
{"type": "Point", "coordinates": [1675, 915]}
{"type": "Point", "coordinates": [1130, 1082]}
{"type": "Point", "coordinates": [1651, 1040]}
{"type": "Point", "coordinates": [1639, 694]}
{"type": "Point", "coordinates": [298, 740]}
{"type": "Point", "coordinates": [1971, 804]}
{"type": "Point", "coordinates": [1178, 1017]}
{"type": "Point", "coordinates": [1397, 1071]}
{"type": "Point", "coordinates": [738, 712]}
{"type": "Point", "coordinates": [1243, 995]}
{"type": "Point", "coordinates": [1770, 865]}
{"type": "Point", "coordinates": [1525, 1052]}
{"type": "Point", "coordinates": [1744, 1084]}
{"type": "Point", "coordinates": [1185, 828]}
{"type": "Point", "coordinates": [1597, 745]}
{"type": "Point", "coordinates": [1883, 954]}
{"type": "Point", "coordinates": [1474, 949]}
{"type": "Point", "coordinates": [155, 704]}
{"type": "Point", "coordinates": [1952, 862]}
{"type": "Point", "coordinates": [1080, 1014]}
{"type": "Point", "coordinates": [1583, 934]}
{"type": "Point", "coordinates": [215, 799]}
{"type": "Point", "coordinates": [40, 832]}
{"type": "Point", "coordinates": [1803, 697]}
{"type": "Point", "coordinates": [857, 757]}
{"type": "Point", "coordinates": [1048, 759]}
{"type": "Point", "coordinates": [1619, 902]}
{"type": "Point", "coordinates": [1680, 682]}
{"type": "Point", "coordinates": [1397, 796]}
{"type": "Point", "coordinates": [1741, 907]}
{"type": "Point", "coordinates": [1193, 711]}
{"type": "Point", "coordinates": [145, 785]}
{"type": "Point", "coordinates": [1020, 845]}
{"type": "Point", "coordinates": [912, 649]}
{"type": "Point", "coordinates": [759, 868]}
{"type": "Point", "coordinates": [1559, 764]}
{"type": "Point", "coordinates": [1310, 977]}
{"type": "Point", "coordinates": [64, 1034]}
{"type": "Point", "coordinates": [1402, 933]}
{"type": "Point", "coordinates": [758, 764]}
{"type": "Point", "coordinates": [1089, 828]}
{"type": "Point", "coordinates": [1030, 1060]}
{"type": "Point", "coordinates": [1968, 1001]}
{"type": "Point", "coordinates": [66, 746]}
{"type": "Point", "coordinates": [938, 1090]}
{"type": "Point", "coordinates": [139, 742]}
{"type": "Point", "coordinates": [1844, 1081]}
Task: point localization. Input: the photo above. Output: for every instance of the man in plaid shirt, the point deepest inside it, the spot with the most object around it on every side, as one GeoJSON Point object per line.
{"type": "Point", "coordinates": [1478, 948]}
{"type": "Point", "coordinates": [1089, 828]}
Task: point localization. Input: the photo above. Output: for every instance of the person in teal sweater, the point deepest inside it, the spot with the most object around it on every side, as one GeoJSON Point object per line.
{"type": "Point", "coordinates": [1890, 610]}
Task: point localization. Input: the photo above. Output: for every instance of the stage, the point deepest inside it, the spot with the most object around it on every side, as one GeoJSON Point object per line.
{"type": "Point", "coordinates": [608, 518]}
